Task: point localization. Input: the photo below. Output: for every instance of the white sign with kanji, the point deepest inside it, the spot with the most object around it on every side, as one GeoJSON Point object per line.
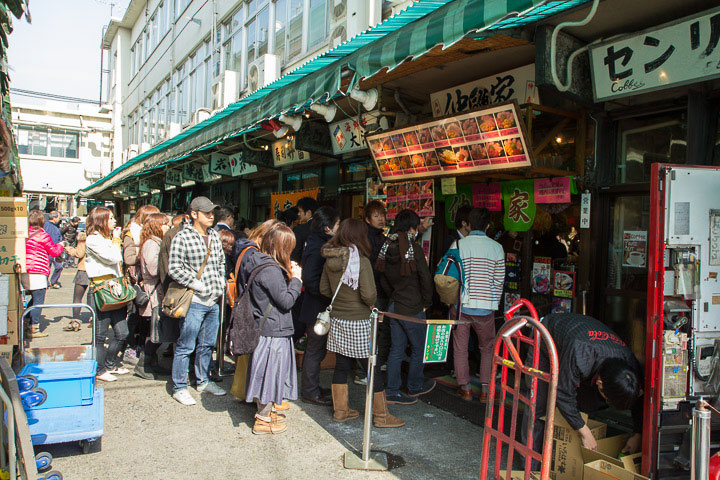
{"type": "Point", "coordinates": [516, 84]}
{"type": "Point", "coordinates": [348, 135]}
{"type": "Point", "coordinates": [682, 52]}
{"type": "Point", "coordinates": [284, 153]}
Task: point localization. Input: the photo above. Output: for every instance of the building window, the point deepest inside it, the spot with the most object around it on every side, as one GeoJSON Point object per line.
{"type": "Point", "coordinates": [263, 21]}
{"type": "Point", "coordinates": [180, 6]}
{"type": "Point", "coordinates": [294, 37]}
{"type": "Point", "coordinates": [317, 30]}
{"type": "Point", "coordinates": [280, 31]}
{"type": "Point", "coordinates": [47, 142]}
{"type": "Point", "coordinates": [251, 40]}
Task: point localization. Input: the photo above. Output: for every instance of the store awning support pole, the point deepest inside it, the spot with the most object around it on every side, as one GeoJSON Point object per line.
{"type": "Point", "coordinates": [699, 466]}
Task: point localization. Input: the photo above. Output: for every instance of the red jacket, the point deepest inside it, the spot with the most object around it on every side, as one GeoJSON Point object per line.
{"type": "Point", "coordinates": [39, 248]}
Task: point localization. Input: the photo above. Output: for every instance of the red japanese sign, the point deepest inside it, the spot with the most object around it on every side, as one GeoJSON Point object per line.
{"type": "Point", "coordinates": [552, 190]}
{"type": "Point", "coordinates": [487, 195]}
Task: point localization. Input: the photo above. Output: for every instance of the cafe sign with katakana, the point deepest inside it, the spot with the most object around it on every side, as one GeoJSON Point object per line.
{"type": "Point", "coordinates": [678, 53]}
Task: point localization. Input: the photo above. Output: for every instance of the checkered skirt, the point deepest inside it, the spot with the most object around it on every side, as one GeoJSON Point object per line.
{"type": "Point", "coordinates": [349, 337]}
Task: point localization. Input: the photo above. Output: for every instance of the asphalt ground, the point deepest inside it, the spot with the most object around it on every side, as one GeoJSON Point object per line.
{"type": "Point", "coordinates": [148, 435]}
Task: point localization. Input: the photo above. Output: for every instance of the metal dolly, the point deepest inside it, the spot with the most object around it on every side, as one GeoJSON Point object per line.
{"type": "Point", "coordinates": [510, 359]}
{"type": "Point", "coordinates": [83, 422]}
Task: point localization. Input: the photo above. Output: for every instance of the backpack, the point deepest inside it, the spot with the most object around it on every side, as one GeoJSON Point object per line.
{"type": "Point", "coordinates": [243, 336]}
{"type": "Point", "coordinates": [449, 277]}
{"type": "Point", "coordinates": [231, 287]}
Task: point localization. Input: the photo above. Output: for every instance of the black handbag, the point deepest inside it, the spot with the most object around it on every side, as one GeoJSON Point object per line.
{"type": "Point", "coordinates": [142, 298]}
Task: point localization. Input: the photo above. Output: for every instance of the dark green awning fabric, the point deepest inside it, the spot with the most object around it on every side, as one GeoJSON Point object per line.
{"type": "Point", "coordinates": [411, 33]}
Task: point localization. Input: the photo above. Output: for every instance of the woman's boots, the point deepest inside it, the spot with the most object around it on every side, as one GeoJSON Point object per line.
{"type": "Point", "coordinates": [341, 411]}
{"type": "Point", "coordinates": [381, 416]}
{"type": "Point", "coordinates": [144, 369]}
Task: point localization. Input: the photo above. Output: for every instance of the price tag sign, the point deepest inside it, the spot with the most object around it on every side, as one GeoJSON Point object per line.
{"type": "Point", "coordinates": [437, 341]}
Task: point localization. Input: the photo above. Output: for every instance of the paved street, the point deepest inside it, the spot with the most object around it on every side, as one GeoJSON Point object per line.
{"type": "Point", "coordinates": [148, 435]}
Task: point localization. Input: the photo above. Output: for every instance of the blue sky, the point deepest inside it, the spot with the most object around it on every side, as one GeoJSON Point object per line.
{"type": "Point", "coordinates": [59, 52]}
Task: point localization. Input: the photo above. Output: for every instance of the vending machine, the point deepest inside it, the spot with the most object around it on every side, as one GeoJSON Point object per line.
{"type": "Point", "coordinates": [683, 314]}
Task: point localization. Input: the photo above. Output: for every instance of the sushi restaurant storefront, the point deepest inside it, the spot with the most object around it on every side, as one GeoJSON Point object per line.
{"type": "Point", "coordinates": [491, 143]}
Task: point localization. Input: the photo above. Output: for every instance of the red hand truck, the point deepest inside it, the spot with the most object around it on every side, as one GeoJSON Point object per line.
{"type": "Point", "coordinates": [511, 360]}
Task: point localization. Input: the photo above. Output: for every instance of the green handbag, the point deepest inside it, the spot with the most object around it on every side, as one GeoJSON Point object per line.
{"type": "Point", "coordinates": [113, 294]}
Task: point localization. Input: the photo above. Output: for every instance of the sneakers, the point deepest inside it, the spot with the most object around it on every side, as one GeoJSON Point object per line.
{"type": "Point", "coordinates": [184, 397]}
{"type": "Point", "coordinates": [36, 333]}
{"type": "Point", "coordinates": [427, 387]}
{"type": "Point", "coordinates": [360, 381]}
{"type": "Point", "coordinates": [119, 371]}
{"type": "Point", "coordinates": [400, 399]}
{"type": "Point", "coordinates": [211, 388]}
{"type": "Point", "coordinates": [107, 377]}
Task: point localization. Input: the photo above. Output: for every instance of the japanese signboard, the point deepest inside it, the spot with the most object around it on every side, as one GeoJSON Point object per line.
{"type": "Point", "coordinates": [220, 164]}
{"type": "Point", "coordinates": [284, 153]}
{"type": "Point", "coordinates": [585, 210]}
{"type": "Point", "coordinates": [453, 202]}
{"type": "Point", "coordinates": [485, 140]}
{"type": "Point", "coordinates": [239, 166]}
{"type": "Point", "coordinates": [678, 53]}
{"type": "Point", "coordinates": [517, 84]}
{"type": "Point", "coordinates": [488, 195]}
{"type": "Point", "coordinates": [519, 205]}
{"type": "Point", "coordinates": [144, 185]}
{"type": "Point", "coordinates": [173, 176]}
{"type": "Point", "coordinates": [564, 284]}
{"type": "Point", "coordinates": [634, 248]}
{"type": "Point", "coordinates": [12, 252]}
{"type": "Point", "coordinates": [437, 341]}
{"type": "Point", "coordinates": [541, 275]}
{"type": "Point", "coordinates": [416, 196]}
{"type": "Point", "coordinates": [133, 189]}
{"type": "Point", "coordinates": [280, 201]}
{"type": "Point", "coordinates": [448, 185]}
{"type": "Point", "coordinates": [192, 171]}
{"type": "Point", "coordinates": [349, 135]}
{"type": "Point", "coordinates": [552, 190]}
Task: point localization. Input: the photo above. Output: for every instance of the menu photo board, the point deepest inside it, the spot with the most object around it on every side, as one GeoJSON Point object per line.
{"type": "Point", "coordinates": [416, 196]}
{"type": "Point", "coordinates": [483, 140]}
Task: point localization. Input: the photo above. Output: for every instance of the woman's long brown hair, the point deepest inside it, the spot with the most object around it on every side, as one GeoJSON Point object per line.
{"type": "Point", "coordinates": [274, 238]}
{"type": "Point", "coordinates": [152, 227]}
{"type": "Point", "coordinates": [352, 231]}
{"type": "Point", "coordinates": [97, 221]}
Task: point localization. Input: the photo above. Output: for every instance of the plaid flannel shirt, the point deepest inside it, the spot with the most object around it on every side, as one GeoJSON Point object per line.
{"type": "Point", "coordinates": [187, 253]}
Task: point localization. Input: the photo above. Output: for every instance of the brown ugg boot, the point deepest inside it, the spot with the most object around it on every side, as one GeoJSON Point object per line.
{"type": "Point", "coordinates": [381, 416]}
{"type": "Point", "coordinates": [341, 411]}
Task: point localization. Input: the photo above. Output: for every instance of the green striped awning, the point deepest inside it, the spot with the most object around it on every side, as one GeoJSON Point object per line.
{"type": "Point", "coordinates": [409, 34]}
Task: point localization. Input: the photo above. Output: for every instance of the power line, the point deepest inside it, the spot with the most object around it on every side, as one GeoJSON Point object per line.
{"type": "Point", "coordinates": [50, 96]}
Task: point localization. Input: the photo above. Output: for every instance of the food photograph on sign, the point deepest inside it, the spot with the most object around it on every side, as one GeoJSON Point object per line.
{"type": "Point", "coordinates": [483, 140]}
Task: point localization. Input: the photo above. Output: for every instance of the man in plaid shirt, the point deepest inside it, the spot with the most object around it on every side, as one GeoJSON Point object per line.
{"type": "Point", "coordinates": [199, 328]}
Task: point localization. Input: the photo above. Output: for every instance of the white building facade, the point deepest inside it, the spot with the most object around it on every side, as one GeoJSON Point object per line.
{"type": "Point", "coordinates": [174, 63]}
{"type": "Point", "coordinates": [63, 147]}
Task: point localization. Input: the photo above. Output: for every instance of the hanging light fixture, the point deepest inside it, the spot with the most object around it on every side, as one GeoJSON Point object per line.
{"type": "Point", "coordinates": [368, 98]}
{"type": "Point", "coordinates": [293, 121]}
{"type": "Point", "coordinates": [277, 129]}
{"type": "Point", "coordinates": [327, 111]}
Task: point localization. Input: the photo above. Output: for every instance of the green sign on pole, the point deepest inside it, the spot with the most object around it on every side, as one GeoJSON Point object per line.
{"type": "Point", "coordinates": [519, 205]}
{"type": "Point", "coordinates": [437, 341]}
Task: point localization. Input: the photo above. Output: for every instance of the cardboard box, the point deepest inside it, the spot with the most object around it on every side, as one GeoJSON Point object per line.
{"type": "Point", "coordinates": [9, 292]}
{"type": "Point", "coordinates": [602, 470]}
{"type": "Point", "coordinates": [13, 207]}
{"type": "Point", "coordinates": [609, 449]}
{"type": "Point", "coordinates": [632, 462]}
{"type": "Point", "coordinates": [520, 475]}
{"type": "Point", "coordinates": [12, 252]}
{"type": "Point", "coordinates": [12, 328]}
{"type": "Point", "coordinates": [567, 461]}
{"type": "Point", "coordinates": [6, 352]}
{"type": "Point", "coordinates": [13, 227]}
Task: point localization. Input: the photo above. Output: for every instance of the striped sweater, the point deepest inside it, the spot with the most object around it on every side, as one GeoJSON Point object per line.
{"type": "Point", "coordinates": [483, 262]}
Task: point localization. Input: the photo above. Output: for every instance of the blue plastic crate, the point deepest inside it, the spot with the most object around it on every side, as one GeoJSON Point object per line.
{"type": "Point", "coordinates": [68, 424]}
{"type": "Point", "coordinates": [68, 384]}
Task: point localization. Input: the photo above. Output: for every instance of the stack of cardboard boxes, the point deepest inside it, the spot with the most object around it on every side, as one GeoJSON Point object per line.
{"type": "Point", "coordinates": [571, 461]}
{"type": "Point", "coordinates": [13, 233]}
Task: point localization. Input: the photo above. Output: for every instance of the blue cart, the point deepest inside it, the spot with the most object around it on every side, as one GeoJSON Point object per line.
{"type": "Point", "coordinates": [63, 404]}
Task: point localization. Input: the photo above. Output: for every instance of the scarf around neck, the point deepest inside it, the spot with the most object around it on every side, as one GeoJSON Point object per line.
{"type": "Point", "coordinates": [407, 253]}
{"type": "Point", "coordinates": [351, 277]}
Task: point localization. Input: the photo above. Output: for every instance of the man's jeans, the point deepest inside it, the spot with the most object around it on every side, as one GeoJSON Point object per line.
{"type": "Point", "coordinates": [198, 332]}
{"type": "Point", "coordinates": [401, 332]}
{"type": "Point", "coordinates": [58, 268]}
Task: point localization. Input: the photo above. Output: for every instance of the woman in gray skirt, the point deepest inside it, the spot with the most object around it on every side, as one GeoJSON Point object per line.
{"type": "Point", "coordinates": [272, 375]}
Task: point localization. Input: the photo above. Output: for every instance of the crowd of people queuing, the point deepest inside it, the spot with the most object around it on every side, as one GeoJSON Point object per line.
{"type": "Point", "coordinates": [293, 268]}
